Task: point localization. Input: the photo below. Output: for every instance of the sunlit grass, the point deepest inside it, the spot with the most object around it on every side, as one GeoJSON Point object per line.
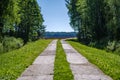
{"type": "Point", "coordinates": [12, 64]}
{"type": "Point", "coordinates": [61, 70]}
{"type": "Point", "coordinates": [109, 63]}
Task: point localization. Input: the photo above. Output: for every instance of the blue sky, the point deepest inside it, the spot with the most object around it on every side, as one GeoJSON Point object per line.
{"type": "Point", "coordinates": [55, 15]}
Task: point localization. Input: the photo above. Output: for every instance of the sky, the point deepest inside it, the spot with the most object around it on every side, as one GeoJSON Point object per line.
{"type": "Point", "coordinates": [55, 15]}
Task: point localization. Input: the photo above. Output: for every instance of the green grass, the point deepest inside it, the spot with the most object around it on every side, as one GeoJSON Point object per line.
{"type": "Point", "coordinates": [109, 63]}
{"type": "Point", "coordinates": [61, 69]}
{"type": "Point", "coordinates": [13, 63]}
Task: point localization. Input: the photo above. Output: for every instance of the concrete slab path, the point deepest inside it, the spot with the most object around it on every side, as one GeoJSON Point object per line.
{"type": "Point", "coordinates": [42, 68]}
{"type": "Point", "coordinates": [81, 68]}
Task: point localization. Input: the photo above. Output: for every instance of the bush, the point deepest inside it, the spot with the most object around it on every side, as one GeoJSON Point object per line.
{"type": "Point", "coordinates": [111, 46]}
{"type": "Point", "coordinates": [114, 46]}
{"type": "Point", "coordinates": [98, 44]}
{"type": "Point", "coordinates": [92, 44]}
{"type": "Point", "coordinates": [117, 48]}
{"type": "Point", "coordinates": [11, 43]}
{"type": "Point", "coordinates": [117, 51]}
{"type": "Point", "coordinates": [1, 48]}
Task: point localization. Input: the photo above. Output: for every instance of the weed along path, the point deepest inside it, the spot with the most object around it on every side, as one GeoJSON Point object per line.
{"type": "Point", "coordinates": [81, 68]}
{"type": "Point", "coordinates": [42, 68]}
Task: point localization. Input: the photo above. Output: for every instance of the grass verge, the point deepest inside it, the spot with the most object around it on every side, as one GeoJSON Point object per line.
{"type": "Point", "coordinates": [109, 63]}
{"type": "Point", "coordinates": [13, 63]}
{"type": "Point", "coordinates": [61, 69]}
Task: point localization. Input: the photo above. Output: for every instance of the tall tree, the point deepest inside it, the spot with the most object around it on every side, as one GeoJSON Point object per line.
{"type": "Point", "coordinates": [31, 19]}
{"type": "Point", "coordinates": [97, 18]}
{"type": "Point", "coordinates": [73, 14]}
{"type": "Point", "coordinates": [8, 14]}
{"type": "Point", "coordinates": [91, 17]}
{"type": "Point", "coordinates": [114, 22]}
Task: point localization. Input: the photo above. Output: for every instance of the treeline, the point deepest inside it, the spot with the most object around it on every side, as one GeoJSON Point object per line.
{"type": "Point", "coordinates": [21, 19]}
{"type": "Point", "coordinates": [96, 21]}
{"type": "Point", "coordinates": [59, 35]}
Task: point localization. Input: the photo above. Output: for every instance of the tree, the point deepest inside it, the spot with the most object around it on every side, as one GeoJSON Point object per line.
{"type": "Point", "coordinates": [97, 19]}
{"type": "Point", "coordinates": [8, 15]}
{"type": "Point", "coordinates": [41, 31]}
{"type": "Point", "coordinates": [114, 19]}
{"type": "Point", "coordinates": [73, 14]}
{"type": "Point", "coordinates": [31, 20]}
{"type": "Point", "coordinates": [90, 18]}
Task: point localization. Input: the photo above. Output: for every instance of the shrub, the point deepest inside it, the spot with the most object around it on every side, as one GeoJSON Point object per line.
{"type": "Point", "coordinates": [114, 46]}
{"type": "Point", "coordinates": [98, 44]}
{"type": "Point", "coordinates": [92, 44]}
{"type": "Point", "coordinates": [117, 51]}
{"type": "Point", "coordinates": [111, 46]}
{"type": "Point", "coordinates": [11, 43]}
{"type": "Point", "coordinates": [1, 48]}
{"type": "Point", "coordinates": [117, 48]}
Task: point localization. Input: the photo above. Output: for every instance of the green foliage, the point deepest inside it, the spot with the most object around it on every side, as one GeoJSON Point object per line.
{"type": "Point", "coordinates": [31, 20]}
{"type": "Point", "coordinates": [111, 46]}
{"type": "Point", "coordinates": [13, 63]}
{"type": "Point", "coordinates": [92, 44]}
{"type": "Point", "coordinates": [1, 48]}
{"type": "Point", "coordinates": [114, 46]}
{"type": "Point", "coordinates": [11, 43]}
{"type": "Point", "coordinates": [61, 70]}
{"type": "Point", "coordinates": [117, 51]}
{"type": "Point", "coordinates": [109, 63]}
{"type": "Point", "coordinates": [8, 15]}
{"type": "Point", "coordinates": [95, 20]}
{"type": "Point", "coordinates": [99, 44]}
{"type": "Point", "coordinates": [21, 19]}
{"type": "Point", "coordinates": [73, 14]}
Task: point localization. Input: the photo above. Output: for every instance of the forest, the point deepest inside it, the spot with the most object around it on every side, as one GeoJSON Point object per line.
{"type": "Point", "coordinates": [97, 22]}
{"type": "Point", "coordinates": [20, 21]}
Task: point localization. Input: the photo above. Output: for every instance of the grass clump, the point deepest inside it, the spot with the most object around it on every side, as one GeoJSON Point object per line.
{"type": "Point", "coordinates": [61, 69]}
{"type": "Point", "coordinates": [13, 63]}
{"type": "Point", "coordinates": [109, 63]}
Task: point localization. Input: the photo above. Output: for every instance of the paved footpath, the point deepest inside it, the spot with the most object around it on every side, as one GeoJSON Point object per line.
{"type": "Point", "coordinates": [42, 68]}
{"type": "Point", "coordinates": [81, 68]}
